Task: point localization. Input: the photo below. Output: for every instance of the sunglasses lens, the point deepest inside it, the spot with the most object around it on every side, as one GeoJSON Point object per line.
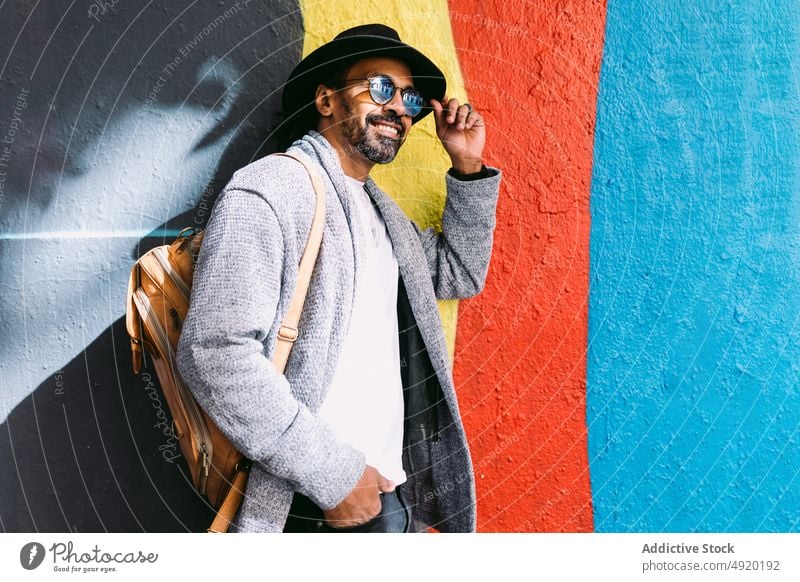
{"type": "Point", "coordinates": [412, 101]}
{"type": "Point", "coordinates": [381, 89]}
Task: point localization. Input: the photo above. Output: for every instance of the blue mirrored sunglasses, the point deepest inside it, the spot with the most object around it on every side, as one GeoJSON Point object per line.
{"type": "Point", "coordinates": [382, 90]}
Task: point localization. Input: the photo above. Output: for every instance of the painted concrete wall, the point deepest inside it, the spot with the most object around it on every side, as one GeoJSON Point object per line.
{"type": "Point", "coordinates": [654, 344]}
{"type": "Point", "coordinates": [117, 123]}
{"type": "Point", "coordinates": [693, 401]}
{"type": "Point", "coordinates": [520, 346]}
{"type": "Point", "coordinates": [128, 119]}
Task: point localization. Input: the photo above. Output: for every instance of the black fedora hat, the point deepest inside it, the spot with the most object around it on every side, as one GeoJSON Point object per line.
{"type": "Point", "coordinates": [355, 44]}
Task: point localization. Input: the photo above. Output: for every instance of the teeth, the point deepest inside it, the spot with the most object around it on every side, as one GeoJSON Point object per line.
{"type": "Point", "coordinates": [384, 126]}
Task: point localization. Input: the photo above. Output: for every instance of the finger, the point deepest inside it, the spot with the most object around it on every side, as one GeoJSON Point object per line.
{"type": "Point", "coordinates": [385, 485]}
{"type": "Point", "coordinates": [452, 109]}
{"type": "Point", "coordinates": [438, 111]}
{"type": "Point", "coordinates": [461, 116]}
{"type": "Point", "coordinates": [474, 118]}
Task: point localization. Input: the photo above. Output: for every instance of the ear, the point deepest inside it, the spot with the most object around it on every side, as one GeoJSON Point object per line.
{"type": "Point", "coordinates": [324, 100]}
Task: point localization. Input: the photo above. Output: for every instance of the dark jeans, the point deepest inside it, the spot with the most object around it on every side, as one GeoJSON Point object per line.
{"type": "Point", "coordinates": [394, 517]}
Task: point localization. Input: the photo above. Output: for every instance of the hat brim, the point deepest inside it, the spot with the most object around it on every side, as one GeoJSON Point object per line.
{"type": "Point", "coordinates": [301, 86]}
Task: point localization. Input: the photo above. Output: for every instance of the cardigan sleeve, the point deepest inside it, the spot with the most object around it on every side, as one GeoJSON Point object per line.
{"type": "Point", "coordinates": [221, 358]}
{"type": "Point", "coordinates": [458, 256]}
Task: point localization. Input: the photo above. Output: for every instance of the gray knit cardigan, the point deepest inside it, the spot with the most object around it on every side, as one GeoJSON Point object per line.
{"type": "Point", "coordinates": [243, 283]}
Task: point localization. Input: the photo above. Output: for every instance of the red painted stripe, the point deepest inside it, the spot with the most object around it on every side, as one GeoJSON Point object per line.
{"type": "Point", "coordinates": [532, 70]}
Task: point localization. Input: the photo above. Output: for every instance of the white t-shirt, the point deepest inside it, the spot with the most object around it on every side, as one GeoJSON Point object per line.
{"type": "Point", "coordinates": [364, 404]}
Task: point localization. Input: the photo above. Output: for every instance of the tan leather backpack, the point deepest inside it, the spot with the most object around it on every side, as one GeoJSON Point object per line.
{"type": "Point", "coordinates": [158, 299]}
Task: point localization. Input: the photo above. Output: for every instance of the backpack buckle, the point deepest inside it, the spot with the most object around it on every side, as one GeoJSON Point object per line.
{"type": "Point", "coordinates": [288, 333]}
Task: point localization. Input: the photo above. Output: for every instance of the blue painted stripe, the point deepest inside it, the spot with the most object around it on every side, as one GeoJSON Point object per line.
{"type": "Point", "coordinates": [693, 402]}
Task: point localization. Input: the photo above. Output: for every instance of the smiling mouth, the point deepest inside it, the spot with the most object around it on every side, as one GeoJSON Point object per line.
{"type": "Point", "coordinates": [387, 129]}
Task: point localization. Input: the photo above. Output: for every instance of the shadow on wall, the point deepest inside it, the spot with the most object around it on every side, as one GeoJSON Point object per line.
{"type": "Point", "coordinates": [118, 123]}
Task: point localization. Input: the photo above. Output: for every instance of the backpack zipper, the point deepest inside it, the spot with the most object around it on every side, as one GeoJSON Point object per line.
{"type": "Point", "coordinates": [176, 320]}
{"type": "Point", "coordinates": [159, 253]}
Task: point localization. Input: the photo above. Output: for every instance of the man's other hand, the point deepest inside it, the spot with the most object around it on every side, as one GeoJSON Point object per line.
{"type": "Point", "coordinates": [363, 503]}
{"type": "Point", "coordinates": [462, 132]}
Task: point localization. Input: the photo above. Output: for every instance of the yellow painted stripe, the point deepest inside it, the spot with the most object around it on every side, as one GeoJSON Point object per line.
{"type": "Point", "coordinates": [415, 180]}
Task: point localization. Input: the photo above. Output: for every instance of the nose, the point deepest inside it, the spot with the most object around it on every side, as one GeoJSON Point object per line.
{"type": "Point", "coordinates": [395, 104]}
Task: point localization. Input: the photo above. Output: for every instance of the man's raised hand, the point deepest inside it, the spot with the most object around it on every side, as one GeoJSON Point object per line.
{"type": "Point", "coordinates": [462, 132]}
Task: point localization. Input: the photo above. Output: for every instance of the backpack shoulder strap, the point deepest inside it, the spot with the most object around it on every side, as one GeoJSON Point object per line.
{"type": "Point", "coordinates": [287, 335]}
{"type": "Point", "coordinates": [288, 332]}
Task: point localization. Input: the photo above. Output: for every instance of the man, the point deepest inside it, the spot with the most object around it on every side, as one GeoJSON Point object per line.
{"type": "Point", "coordinates": [362, 430]}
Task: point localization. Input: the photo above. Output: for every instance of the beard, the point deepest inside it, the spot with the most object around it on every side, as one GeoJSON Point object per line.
{"type": "Point", "coordinates": [377, 148]}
